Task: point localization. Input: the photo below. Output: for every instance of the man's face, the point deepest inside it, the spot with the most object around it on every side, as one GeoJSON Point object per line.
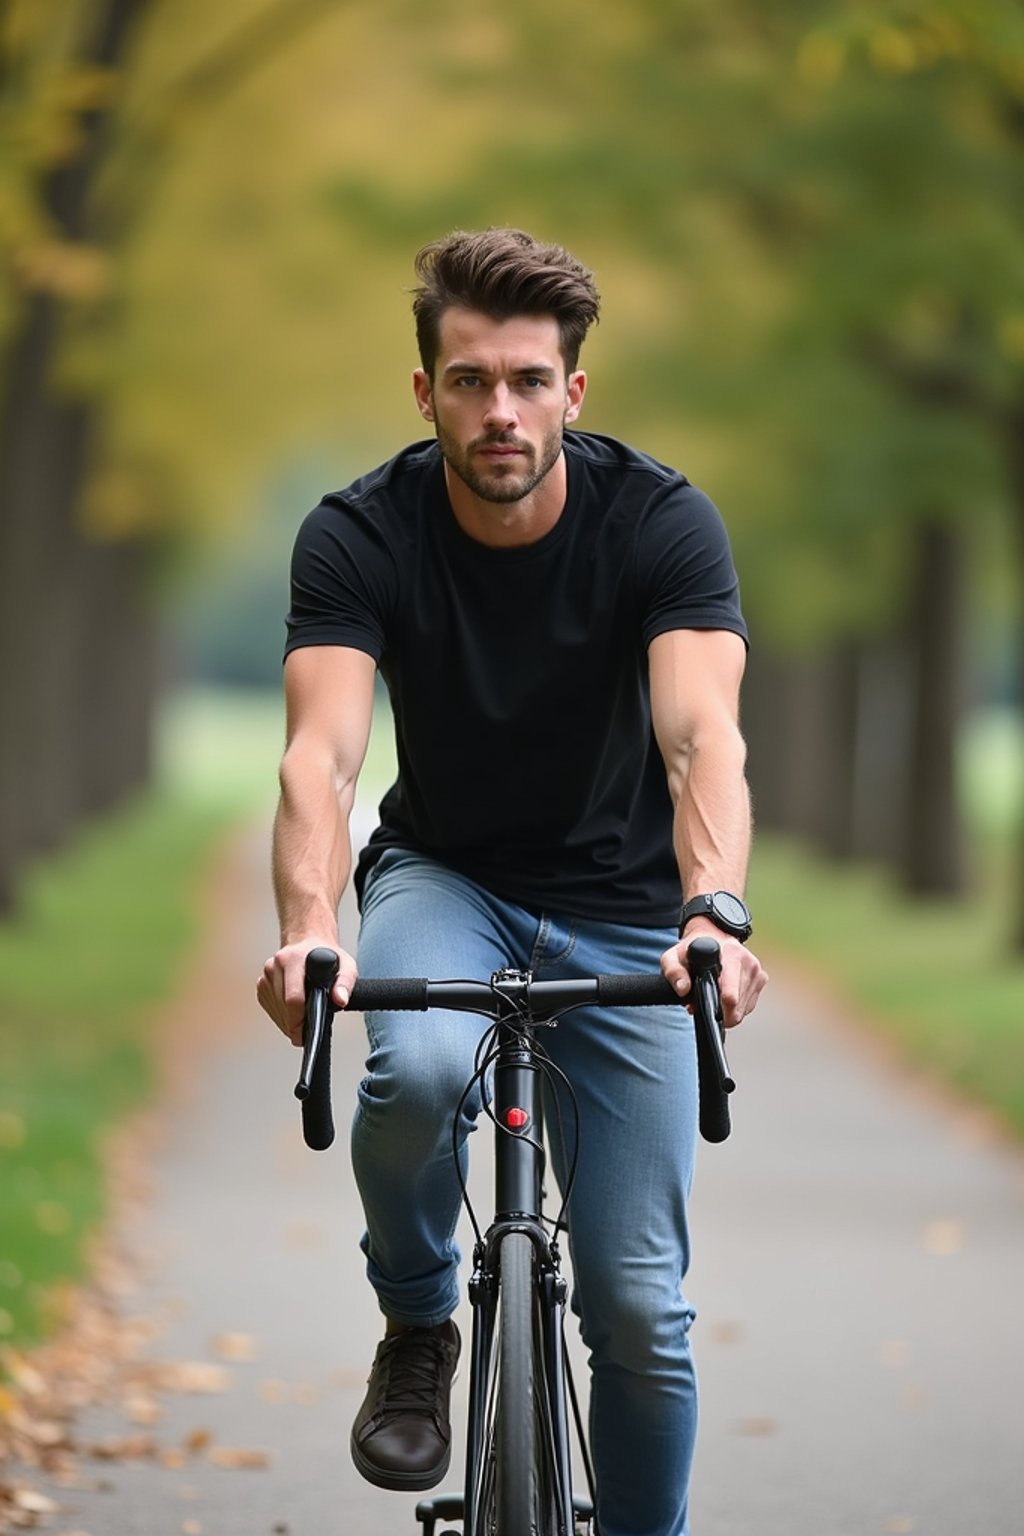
{"type": "Point", "coordinates": [499, 401]}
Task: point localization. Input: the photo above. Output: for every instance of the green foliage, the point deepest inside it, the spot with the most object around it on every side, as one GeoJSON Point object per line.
{"type": "Point", "coordinates": [805, 219]}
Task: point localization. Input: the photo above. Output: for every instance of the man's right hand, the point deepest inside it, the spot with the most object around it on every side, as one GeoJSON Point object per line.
{"type": "Point", "coordinates": [281, 990]}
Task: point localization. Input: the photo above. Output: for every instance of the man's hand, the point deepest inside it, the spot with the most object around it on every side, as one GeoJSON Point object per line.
{"type": "Point", "coordinates": [742, 978]}
{"type": "Point", "coordinates": [281, 990]}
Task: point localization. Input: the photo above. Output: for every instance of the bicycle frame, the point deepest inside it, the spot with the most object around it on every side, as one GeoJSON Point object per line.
{"type": "Point", "coordinates": [518, 1179]}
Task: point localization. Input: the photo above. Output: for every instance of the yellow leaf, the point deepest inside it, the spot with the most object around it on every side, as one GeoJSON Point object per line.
{"type": "Point", "coordinates": [12, 1131]}
{"type": "Point", "coordinates": [892, 51]}
{"type": "Point", "coordinates": [235, 1458]}
{"type": "Point", "coordinates": [820, 59]}
{"type": "Point", "coordinates": [70, 269]}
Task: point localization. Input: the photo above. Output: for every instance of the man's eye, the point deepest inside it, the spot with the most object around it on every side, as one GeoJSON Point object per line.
{"type": "Point", "coordinates": [467, 381]}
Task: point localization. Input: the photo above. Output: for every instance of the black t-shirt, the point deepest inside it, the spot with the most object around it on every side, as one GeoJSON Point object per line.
{"type": "Point", "coordinates": [518, 677]}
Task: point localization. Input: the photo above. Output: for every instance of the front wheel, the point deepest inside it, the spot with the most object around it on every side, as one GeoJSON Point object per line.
{"type": "Point", "coordinates": [524, 1461]}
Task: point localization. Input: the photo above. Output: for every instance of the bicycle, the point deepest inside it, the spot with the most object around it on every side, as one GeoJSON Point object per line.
{"type": "Point", "coordinates": [518, 1474]}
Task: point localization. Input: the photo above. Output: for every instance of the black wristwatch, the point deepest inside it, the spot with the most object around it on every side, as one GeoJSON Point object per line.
{"type": "Point", "coordinates": [723, 909]}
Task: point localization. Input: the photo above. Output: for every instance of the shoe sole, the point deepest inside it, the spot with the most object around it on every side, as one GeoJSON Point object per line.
{"type": "Point", "coordinates": [399, 1482]}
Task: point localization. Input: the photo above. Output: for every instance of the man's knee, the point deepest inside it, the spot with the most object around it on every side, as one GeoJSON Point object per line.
{"type": "Point", "coordinates": [635, 1321]}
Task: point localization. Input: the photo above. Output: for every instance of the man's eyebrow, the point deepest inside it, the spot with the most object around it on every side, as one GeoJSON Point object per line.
{"type": "Point", "coordinates": [538, 370]}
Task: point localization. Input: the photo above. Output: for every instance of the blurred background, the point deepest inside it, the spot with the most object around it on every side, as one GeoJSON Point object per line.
{"type": "Point", "coordinates": [806, 224]}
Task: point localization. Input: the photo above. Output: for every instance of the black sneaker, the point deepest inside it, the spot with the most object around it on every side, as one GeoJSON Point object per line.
{"type": "Point", "coordinates": [401, 1438]}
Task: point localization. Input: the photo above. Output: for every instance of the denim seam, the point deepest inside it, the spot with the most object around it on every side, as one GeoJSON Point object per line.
{"type": "Point", "coordinates": [538, 959]}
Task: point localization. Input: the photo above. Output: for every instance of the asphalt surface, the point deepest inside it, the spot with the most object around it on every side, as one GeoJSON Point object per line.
{"type": "Point", "coordinates": [858, 1274]}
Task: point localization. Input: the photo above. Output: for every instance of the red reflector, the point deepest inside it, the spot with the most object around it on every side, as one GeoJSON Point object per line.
{"type": "Point", "coordinates": [515, 1119]}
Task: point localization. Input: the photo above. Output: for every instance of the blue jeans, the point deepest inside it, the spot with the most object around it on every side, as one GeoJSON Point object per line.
{"type": "Point", "coordinates": [634, 1074]}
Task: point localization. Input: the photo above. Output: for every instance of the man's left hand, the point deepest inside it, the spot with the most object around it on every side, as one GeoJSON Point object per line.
{"type": "Point", "coordinates": [743, 976]}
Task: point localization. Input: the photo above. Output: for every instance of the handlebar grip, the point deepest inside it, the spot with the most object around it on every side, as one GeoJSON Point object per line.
{"type": "Point", "coordinates": [314, 1085]}
{"type": "Point", "coordinates": [703, 959]}
{"type": "Point", "coordinates": [409, 993]}
{"type": "Point", "coordinates": [635, 991]}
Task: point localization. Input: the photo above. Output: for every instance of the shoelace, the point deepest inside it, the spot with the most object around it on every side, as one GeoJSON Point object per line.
{"type": "Point", "coordinates": [415, 1366]}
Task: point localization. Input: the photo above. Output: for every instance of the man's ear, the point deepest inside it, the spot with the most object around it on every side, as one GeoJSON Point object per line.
{"type": "Point", "coordinates": [577, 388]}
{"type": "Point", "coordinates": [421, 388]}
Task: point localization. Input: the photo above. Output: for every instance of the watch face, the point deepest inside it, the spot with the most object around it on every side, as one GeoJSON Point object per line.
{"type": "Point", "coordinates": [731, 909]}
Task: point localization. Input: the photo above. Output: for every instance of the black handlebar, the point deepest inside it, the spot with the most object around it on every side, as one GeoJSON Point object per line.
{"type": "Point", "coordinates": [313, 1088]}
{"type": "Point", "coordinates": [703, 961]}
{"type": "Point", "coordinates": [416, 994]}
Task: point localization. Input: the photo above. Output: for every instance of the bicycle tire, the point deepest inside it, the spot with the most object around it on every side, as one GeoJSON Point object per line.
{"type": "Point", "coordinates": [523, 1455]}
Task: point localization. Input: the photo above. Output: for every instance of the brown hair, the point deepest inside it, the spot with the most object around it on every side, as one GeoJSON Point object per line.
{"type": "Point", "coordinates": [502, 273]}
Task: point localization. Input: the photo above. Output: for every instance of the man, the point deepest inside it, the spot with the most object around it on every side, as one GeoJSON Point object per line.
{"type": "Point", "coordinates": [556, 617]}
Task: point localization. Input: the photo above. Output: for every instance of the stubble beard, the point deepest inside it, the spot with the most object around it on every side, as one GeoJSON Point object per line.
{"type": "Point", "coordinates": [502, 486]}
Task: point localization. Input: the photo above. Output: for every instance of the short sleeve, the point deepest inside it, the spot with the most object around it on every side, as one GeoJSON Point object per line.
{"type": "Point", "coordinates": [686, 578]}
{"type": "Point", "coordinates": [343, 580]}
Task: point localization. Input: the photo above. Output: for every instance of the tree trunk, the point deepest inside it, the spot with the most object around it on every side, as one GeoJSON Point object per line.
{"type": "Point", "coordinates": [800, 721]}
{"type": "Point", "coordinates": [44, 451]}
{"type": "Point", "coordinates": [1015, 454]}
{"type": "Point", "coordinates": [934, 861]}
{"type": "Point", "coordinates": [883, 750]}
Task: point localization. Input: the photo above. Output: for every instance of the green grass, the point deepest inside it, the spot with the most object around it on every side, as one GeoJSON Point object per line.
{"type": "Point", "coordinates": [99, 940]}
{"type": "Point", "coordinates": [938, 978]}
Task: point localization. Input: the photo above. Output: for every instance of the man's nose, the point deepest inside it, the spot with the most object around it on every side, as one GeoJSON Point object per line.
{"type": "Point", "coordinates": [501, 411]}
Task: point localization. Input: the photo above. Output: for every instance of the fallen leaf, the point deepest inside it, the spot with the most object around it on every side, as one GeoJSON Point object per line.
{"type": "Point", "coordinates": [143, 1410]}
{"type": "Point", "coordinates": [895, 1353]}
{"type": "Point", "coordinates": [173, 1457]}
{"type": "Point", "coordinates": [192, 1528]}
{"type": "Point", "coordinates": [757, 1428]}
{"type": "Point", "coordinates": [726, 1333]}
{"type": "Point", "coordinates": [32, 1502]}
{"type": "Point", "coordinates": [942, 1239]}
{"type": "Point", "coordinates": [237, 1458]}
{"type": "Point", "coordinates": [234, 1346]}
{"type": "Point", "coordinates": [197, 1376]}
{"type": "Point", "coordinates": [901, 1526]}
{"type": "Point", "coordinates": [123, 1448]}
{"type": "Point", "coordinates": [199, 1440]}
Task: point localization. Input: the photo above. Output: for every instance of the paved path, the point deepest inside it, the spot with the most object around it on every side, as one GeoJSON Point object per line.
{"type": "Point", "coordinates": [859, 1275]}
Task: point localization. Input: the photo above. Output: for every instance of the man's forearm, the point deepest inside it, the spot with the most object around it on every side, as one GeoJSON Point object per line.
{"type": "Point", "coordinates": [312, 853]}
{"type": "Point", "coordinates": [712, 820]}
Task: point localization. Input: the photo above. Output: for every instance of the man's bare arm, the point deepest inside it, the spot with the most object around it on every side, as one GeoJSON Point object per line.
{"type": "Point", "coordinates": [695, 680]}
{"type": "Point", "coordinates": [329, 699]}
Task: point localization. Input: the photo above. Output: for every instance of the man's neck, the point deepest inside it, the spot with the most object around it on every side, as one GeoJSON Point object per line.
{"type": "Point", "coordinates": [504, 525]}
